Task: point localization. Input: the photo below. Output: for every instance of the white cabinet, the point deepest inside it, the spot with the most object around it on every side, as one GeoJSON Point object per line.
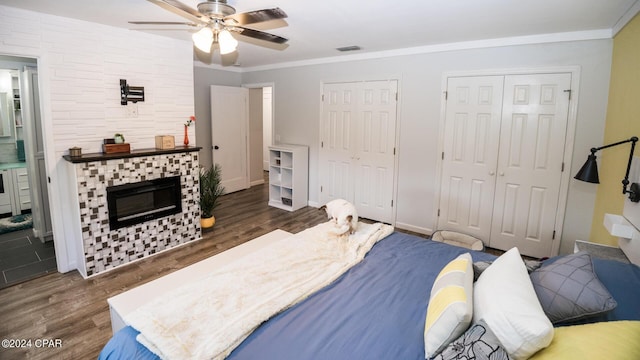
{"type": "Point", "coordinates": [14, 191]}
{"type": "Point", "coordinates": [6, 189]}
{"type": "Point", "coordinates": [288, 176]}
{"type": "Point", "coordinates": [21, 190]}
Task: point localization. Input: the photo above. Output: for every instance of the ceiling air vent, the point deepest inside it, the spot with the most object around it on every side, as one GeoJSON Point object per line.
{"type": "Point", "coordinates": [349, 48]}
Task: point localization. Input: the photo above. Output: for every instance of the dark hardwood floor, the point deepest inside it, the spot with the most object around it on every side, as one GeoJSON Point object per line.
{"type": "Point", "coordinates": [75, 311]}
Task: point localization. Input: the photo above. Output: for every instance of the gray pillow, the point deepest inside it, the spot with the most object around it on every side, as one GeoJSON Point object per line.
{"type": "Point", "coordinates": [569, 290]}
{"type": "Point", "coordinates": [480, 266]}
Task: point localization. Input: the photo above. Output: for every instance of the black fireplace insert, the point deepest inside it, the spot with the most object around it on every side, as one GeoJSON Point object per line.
{"type": "Point", "coordinates": [130, 204]}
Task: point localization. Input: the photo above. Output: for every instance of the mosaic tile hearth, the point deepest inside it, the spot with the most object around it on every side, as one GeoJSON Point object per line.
{"type": "Point", "coordinates": [104, 248]}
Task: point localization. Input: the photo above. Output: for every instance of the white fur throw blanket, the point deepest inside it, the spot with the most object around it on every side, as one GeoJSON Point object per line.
{"type": "Point", "coordinates": [210, 317]}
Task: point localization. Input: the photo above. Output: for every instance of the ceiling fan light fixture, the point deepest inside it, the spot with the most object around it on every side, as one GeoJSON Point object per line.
{"type": "Point", "coordinates": [227, 43]}
{"type": "Point", "coordinates": [203, 39]}
{"type": "Point", "coordinates": [214, 21]}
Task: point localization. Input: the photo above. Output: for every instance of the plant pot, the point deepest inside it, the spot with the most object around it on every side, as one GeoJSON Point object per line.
{"type": "Point", "coordinates": [206, 223]}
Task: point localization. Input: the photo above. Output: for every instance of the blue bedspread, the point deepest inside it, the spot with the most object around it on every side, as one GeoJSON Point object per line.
{"type": "Point", "coordinates": [375, 310]}
{"type": "Point", "coordinates": [623, 282]}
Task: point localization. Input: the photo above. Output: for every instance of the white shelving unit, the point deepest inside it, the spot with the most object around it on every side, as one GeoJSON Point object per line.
{"type": "Point", "coordinates": [288, 176]}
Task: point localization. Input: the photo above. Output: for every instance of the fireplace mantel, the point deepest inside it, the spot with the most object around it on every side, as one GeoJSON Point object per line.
{"type": "Point", "coordinates": [133, 153]}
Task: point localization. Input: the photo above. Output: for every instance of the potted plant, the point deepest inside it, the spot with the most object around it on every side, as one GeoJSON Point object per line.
{"type": "Point", "coordinates": [210, 190]}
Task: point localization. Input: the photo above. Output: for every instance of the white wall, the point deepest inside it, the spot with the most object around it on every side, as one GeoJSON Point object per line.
{"type": "Point", "coordinates": [297, 106]}
{"type": "Point", "coordinates": [80, 65]}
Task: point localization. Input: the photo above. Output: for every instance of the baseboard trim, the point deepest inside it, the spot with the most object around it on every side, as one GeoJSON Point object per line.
{"type": "Point", "coordinates": [416, 229]}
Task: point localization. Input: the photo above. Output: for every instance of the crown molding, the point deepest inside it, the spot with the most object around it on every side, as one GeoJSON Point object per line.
{"type": "Point", "coordinates": [624, 19]}
{"type": "Point", "coordinates": [457, 46]}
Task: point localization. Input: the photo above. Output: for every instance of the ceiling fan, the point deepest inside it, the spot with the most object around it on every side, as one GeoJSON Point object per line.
{"type": "Point", "coordinates": [217, 20]}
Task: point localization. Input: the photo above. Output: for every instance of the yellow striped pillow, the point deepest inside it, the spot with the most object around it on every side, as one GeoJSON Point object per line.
{"type": "Point", "coordinates": [450, 306]}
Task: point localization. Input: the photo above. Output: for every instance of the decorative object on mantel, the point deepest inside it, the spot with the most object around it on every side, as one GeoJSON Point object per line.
{"type": "Point", "coordinates": [130, 93]}
{"type": "Point", "coordinates": [164, 142]}
{"type": "Point", "coordinates": [589, 171]}
{"type": "Point", "coordinates": [186, 126]}
{"type": "Point", "coordinates": [112, 146]}
{"type": "Point", "coordinates": [75, 151]}
{"type": "Point", "coordinates": [210, 191]}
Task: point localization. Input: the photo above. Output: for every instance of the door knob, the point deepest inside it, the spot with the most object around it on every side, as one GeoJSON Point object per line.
{"type": "Point", "coordinates": [501, 173]}
{"type": "Point", "coordinates": [492, 173]}
{"type": "Point", "coordinates": [216, 147]}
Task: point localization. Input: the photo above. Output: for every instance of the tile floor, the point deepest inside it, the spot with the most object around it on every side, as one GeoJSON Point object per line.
{"type": "Point", "coordinates": [24, 257]}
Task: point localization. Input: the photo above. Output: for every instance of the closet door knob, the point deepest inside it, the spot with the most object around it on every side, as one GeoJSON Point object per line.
{"type": "Point", "coordinates": [491, 173]}
{"type": "Point", "coordinates": [501, 173]}
{"type": "Point", "coordinates": [216, 147]}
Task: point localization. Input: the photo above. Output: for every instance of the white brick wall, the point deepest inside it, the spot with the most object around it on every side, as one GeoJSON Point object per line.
{"type": "Point", "coordinates": [80, 65]}
{"type": "Point", "coordinates": [86, 62]}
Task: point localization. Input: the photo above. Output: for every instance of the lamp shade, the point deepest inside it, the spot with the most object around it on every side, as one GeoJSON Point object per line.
{"type": "Point", "coordinates": [203, 39]}
{"type": "Point", "coordinates": [227, 43]}
{"type": "Point", "coordinates": [589, 171]}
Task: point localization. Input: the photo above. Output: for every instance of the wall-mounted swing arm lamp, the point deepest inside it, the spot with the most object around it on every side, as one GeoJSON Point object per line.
{"type": "Point", "coordinates": [589, 171]}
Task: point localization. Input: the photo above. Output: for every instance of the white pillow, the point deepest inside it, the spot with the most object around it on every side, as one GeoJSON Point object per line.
{"type": "Point", "coordinates": [450, 305]}
{"type": "Point", "coordinates": [505, 299]}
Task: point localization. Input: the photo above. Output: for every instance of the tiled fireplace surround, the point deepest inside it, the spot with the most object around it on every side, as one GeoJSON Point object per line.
{"type": "Point", "coordinates": [104, 249]}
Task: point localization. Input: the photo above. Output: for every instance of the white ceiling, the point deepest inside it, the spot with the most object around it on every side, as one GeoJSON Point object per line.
{"type": "Point", "coordinates": [316, 28]}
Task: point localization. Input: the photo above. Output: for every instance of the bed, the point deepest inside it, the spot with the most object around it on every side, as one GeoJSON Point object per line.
{"type": "Point", "coordinates": [377, 308]}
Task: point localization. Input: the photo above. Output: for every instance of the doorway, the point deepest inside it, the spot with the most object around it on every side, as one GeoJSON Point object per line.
{"type": "Point", "coordinates": [260, 131]}
{"type": "Point", "coordinates": [241, 146]}
{"type": "Point", "coordinates": [28, 251]}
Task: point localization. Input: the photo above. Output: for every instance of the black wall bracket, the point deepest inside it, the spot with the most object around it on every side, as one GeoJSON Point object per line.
{"type": "Point", "coordinates": [130, 93]}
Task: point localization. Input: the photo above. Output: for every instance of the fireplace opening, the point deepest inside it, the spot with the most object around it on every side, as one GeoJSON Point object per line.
{"type": "Point", "coordinates": [130, 204]}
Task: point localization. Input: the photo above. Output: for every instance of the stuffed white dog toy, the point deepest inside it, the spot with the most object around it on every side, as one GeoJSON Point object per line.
{"type": "Point", "coordinates": [344, 216]}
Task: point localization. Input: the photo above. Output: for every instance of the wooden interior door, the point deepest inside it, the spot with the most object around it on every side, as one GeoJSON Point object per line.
{"type": "Point", "coordinates": [357, 146]}
{"type": "Point", "coordinates": [375, 144]}
{"type": "Point", "coordinates": [229, 134]}
{"type": "Point", "coordinates": [471, 140]}
{"type": "Point", "coordinates": [337, 144]}
{"type": "Point", "coordinates": [532, 139]}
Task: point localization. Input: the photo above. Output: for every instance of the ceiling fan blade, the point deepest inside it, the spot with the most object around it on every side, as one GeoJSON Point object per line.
{"type": "Point", "coordinates": [181, 9]}
{"type": "Point", "coordinates": [161, 23]}
{"type": "Point", "coordinates": [257, 16]}
{"type": "Point", "coordinates": [260, 35]}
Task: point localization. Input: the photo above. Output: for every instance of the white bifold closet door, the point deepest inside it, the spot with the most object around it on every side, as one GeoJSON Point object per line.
{"type": "Point", "coordinates": [357, 151]}
{"type": "Point", "coordinates": [503, 159]}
